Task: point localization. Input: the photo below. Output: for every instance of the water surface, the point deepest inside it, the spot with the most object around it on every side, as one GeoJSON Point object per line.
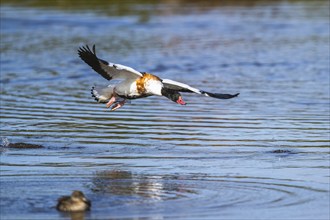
{"type": "Point", "coordinates": [263, 155]}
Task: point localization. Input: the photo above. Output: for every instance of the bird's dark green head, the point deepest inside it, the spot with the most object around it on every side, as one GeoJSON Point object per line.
{"type": "Point", "coordinates": [173, 95]}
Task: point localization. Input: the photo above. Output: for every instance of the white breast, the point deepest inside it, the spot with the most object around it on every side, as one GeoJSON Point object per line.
{"type": "Point", "coordinates": [130, 88]}
{"type": "Point", "coordinates": [153, 87]}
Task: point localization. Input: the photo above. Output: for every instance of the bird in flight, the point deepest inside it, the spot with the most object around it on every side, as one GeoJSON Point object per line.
{"type": "Point", "coordinates": [135, 84]}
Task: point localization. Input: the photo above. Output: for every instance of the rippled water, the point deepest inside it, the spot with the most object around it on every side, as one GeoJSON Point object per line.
{"type": "Point", "coordinates": [263, 155]}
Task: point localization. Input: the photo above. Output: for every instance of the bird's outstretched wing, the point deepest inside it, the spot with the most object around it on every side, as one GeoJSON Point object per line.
{"type": "Point", "coordinates": [181, 87]}
{"type": "Point", "coordinates": [107, 70]}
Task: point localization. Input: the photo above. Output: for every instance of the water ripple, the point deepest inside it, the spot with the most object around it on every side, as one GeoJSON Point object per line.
{"type": "Point", "coordinates": [264, 154]}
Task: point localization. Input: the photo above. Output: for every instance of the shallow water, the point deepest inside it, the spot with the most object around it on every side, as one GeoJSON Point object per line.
{"type": "Point", "coordinates": [263, 155]}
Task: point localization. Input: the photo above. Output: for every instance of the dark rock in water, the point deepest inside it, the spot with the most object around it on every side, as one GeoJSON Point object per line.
{"type": "Point", "coordinates": [24, 146]}
{"type": "Point", "coordinates": [280, 151]}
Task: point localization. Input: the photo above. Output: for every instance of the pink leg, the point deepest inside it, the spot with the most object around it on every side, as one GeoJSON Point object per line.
{"type": "Point", "coordinates": [118, 105]}
{"type": "Point", "coordinates": [111, 101]}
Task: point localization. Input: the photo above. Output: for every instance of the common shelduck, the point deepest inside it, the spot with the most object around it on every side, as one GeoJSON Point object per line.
{"type": "Point", "coordinates": [135, 84]}
{"type": "Point", "coordinates": [77, 202]}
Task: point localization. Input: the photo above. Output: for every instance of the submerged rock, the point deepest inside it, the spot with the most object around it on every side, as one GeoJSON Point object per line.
{"type": "Point", "coordinates": [24, 146]}
{"type": "Point", "coordinates": [281, 151]}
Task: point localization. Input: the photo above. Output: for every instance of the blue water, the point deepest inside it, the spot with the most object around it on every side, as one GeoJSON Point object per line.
{"type": "Point", "coordinates": [262, 155]}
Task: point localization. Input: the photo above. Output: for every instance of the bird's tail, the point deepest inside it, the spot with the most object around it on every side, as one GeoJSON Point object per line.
{"type": "Point", "coordinates": [102, 95]}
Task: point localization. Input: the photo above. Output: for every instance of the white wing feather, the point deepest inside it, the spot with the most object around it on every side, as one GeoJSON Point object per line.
{"type": "Point", "coordinates": [181, 87]}
{"type": "Point", "coordinates": [171, 84]}
{"type": "Point", "coordinates": [122, 72]}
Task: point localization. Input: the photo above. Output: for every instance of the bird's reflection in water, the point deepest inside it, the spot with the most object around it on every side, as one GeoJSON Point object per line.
{"type": "Point", "coordinates": [75, 215]}
{"type": "Point", "coordinates": [125, 183]}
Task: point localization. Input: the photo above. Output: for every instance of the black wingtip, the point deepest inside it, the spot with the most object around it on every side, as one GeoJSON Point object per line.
{"type": "Point", "coordinates": [221, 96]}
{"type": "Point", "coordinates": [94, 49]}
{"type": "Point", "coordinates": [89, 57]}
{"type": "Point", "coordinates": [86, 49]}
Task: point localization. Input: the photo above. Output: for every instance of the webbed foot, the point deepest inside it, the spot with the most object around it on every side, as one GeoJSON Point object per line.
{"type": "Point", "coordinates": [118, 105]}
